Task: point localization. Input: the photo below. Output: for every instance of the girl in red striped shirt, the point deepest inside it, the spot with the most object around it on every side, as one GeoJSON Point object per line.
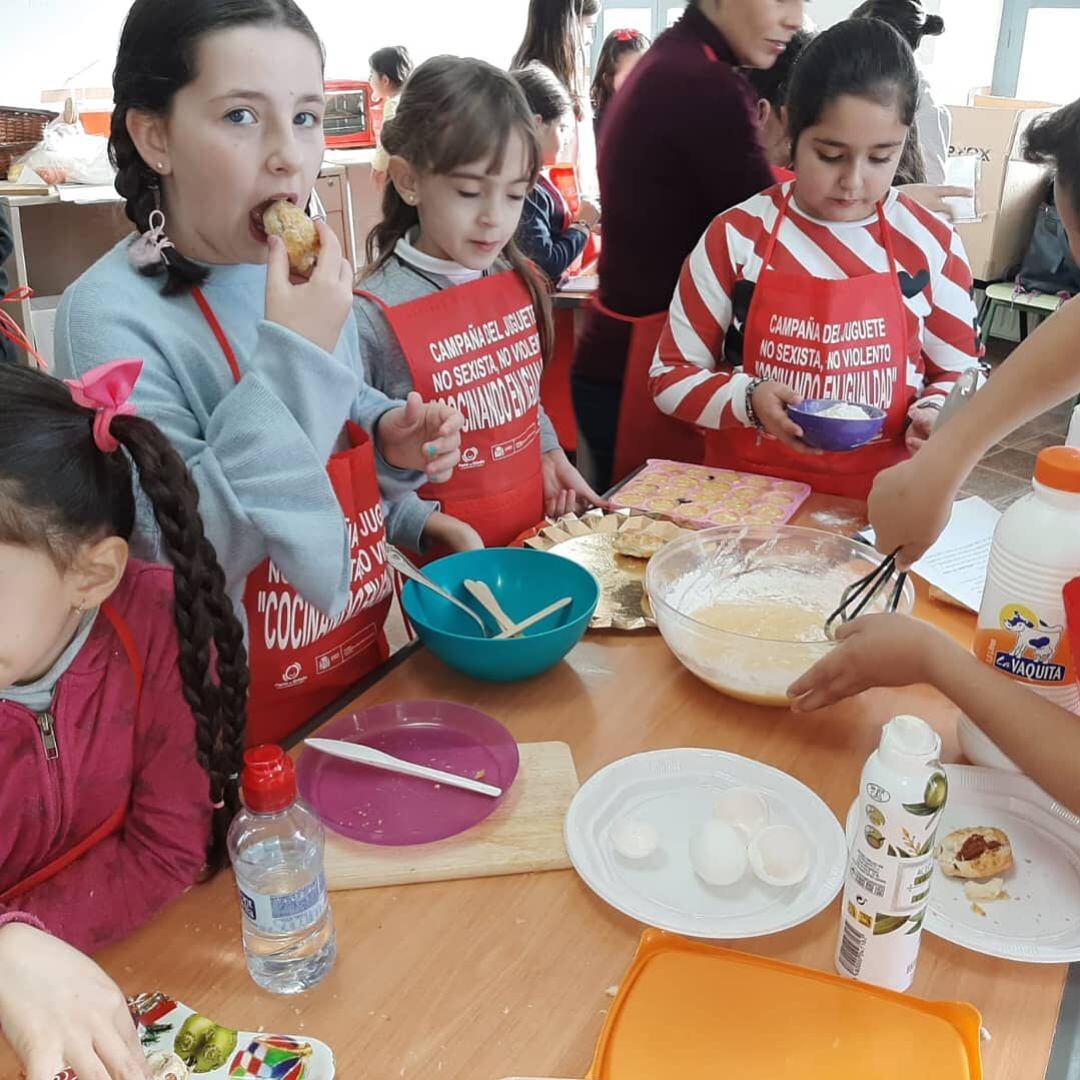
{"type": "Point", "coordinates": [832, 285]}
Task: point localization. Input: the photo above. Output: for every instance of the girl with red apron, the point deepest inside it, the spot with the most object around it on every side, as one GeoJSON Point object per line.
{"type": "Point", "coordinates": [855, 294]}
{"type": "Point", "coordinates": [455, 312]}
{"type": "Point", "coordinates": [782, 305]}
{"type": "Point", "coordinates": [302, 661]}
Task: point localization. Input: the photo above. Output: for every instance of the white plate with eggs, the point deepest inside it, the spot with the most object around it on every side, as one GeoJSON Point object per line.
{"type": "Point", "coordinates": [706, 844]}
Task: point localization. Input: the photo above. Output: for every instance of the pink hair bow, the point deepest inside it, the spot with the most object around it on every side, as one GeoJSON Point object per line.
{"type": "Point", "coordinates": [106, 390]}
{"type": "Point", "coordinates": [626, 35]}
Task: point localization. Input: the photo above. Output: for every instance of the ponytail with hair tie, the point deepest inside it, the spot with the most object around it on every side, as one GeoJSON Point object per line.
{"type": "Point", "coordinates": [63, 483]}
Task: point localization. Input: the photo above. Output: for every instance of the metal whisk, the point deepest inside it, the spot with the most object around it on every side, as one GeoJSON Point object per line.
{"type": "Point", "coordinates": [865, 591]}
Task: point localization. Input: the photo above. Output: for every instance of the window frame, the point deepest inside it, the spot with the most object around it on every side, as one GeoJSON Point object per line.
{"type": "Point", "coordinates": [1010, 50]}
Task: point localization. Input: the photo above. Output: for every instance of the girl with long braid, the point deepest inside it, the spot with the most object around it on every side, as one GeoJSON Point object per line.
{"type": "Point", "coordinates": [254, 376]}
{"type": "Point", "coordinates": [123, 690]}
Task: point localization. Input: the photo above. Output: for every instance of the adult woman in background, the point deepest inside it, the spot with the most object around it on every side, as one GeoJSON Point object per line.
{"type": "Point", "coordinates": [559, 34]}
{"type": "Point", "coordinates": [933, 124]}
{"type": "Point", "coordinates": [663, 178]}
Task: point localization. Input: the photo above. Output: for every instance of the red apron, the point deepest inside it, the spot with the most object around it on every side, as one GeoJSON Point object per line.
{"type": "Point", "coordinates": [846, 339]}
{"type": "Point", "coordinates": [301, 660]}
{"type": "Point", "coordinates": [644, 431]}
{"type": "Point", "coordinates": [115, 821]}
{"type": "Point", "coordinates": [476, 347]}
{"type": "Point", "coordinates": [562, 181]}
{"type": "Point", "coordinates": [555, 392]}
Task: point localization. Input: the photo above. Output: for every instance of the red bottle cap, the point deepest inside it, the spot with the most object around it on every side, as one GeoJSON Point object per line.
{"type": "Point", "coordinates": [269, 780]}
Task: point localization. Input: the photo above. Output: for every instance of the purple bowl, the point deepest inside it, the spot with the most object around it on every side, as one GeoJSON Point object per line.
{"type": "Point", "coordinates": [828, 433]}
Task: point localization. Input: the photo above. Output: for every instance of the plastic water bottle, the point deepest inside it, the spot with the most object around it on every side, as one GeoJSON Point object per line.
{"type": "Point", "coordinates": [902, 793]}
{"type": "Point", "coordinates": [276, 846]}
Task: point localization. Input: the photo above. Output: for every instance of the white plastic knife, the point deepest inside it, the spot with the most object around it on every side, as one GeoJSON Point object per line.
{"type": "Point", "coordinates": [366, 755]}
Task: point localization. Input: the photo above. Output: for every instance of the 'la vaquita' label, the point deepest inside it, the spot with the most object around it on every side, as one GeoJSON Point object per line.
{"type": "Point", "coordinates": [1027, 648]}
{"type": "Point", "coordinates": [286, 913]}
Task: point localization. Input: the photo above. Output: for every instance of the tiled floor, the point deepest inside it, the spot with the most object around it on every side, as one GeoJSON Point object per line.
{"type": "Point", "coordinates": [1005, 473]}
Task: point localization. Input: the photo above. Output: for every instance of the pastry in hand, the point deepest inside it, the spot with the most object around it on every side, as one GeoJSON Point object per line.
{"type": "Point", "coordinates": [297, 232]}
{"type": "Point", "coordinates": [975, 853]}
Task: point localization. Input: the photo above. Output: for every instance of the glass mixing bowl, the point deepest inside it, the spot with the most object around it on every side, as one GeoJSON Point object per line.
{"type": "Point", "coordinates": [744, 607]}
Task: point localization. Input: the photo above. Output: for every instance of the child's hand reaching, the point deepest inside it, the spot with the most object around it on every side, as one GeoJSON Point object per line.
{"type": "Point", "coordinates": [589, 214]}
{"type": "Point", "coordinates": [909, 507]}
{"type": "Point", "coordinates": [921, 427]}
{"type": "Point", "coordinates": [424, 437]}
{"type": "Point", "coordinates": [451, 532]}
{"type": "Point", "coordinates": [315, 309]}
{"type": "Point", "coordinates": [771, 400]}
{"type": "Point", "coordinates": [58, 1009]}
{"type": "Point", "coordinates": [875, 650]}
{"type": "Point", "coordinates": [565, 490]}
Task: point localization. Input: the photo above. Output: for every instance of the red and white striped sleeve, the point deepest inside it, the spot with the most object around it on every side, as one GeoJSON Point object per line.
{"type": "Point", "coordinates": [950, 336]}
{"type": "Point", "coordinates": [687, 379]}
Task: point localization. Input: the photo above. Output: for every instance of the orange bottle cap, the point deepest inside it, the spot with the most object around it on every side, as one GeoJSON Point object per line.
{"type": "Point", "coordinates": [1059, 467]}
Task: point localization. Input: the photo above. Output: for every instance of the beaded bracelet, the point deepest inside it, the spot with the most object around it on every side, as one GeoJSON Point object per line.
{"type": "Point", "coordinates": [751, 413]}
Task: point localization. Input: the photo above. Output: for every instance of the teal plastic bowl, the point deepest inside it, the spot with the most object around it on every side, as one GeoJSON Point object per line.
{"type": "Point", "coordinates": [523, 581]}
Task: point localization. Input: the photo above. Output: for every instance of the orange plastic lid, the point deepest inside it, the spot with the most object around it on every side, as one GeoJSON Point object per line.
{"type": "Point", "coordinates": [689, 1011]}
{"type": "Point", "coordinates": [1059, 467]}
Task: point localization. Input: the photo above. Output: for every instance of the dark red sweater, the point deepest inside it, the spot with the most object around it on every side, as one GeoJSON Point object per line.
{"type": "Point", "coordinates": [679, 145]}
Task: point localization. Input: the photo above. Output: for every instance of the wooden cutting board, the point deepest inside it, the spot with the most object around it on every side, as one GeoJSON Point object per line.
{"type": "Point", "coordinates": [524, 835]}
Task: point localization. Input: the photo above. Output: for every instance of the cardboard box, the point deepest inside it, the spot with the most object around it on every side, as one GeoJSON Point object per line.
{"type": "Point", "coordinates": [988, 101]}
{"type": "Point", "coordinates": [1009, 191]}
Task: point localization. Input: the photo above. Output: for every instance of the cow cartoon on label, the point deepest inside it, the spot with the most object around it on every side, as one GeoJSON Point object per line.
{"type": "Point", "coordinates": [1026, 647]}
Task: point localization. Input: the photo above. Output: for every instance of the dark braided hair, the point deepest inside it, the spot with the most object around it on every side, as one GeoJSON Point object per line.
{"type": "Point", "coordinates": [454, 112]}
{"type": "Point", "coordinates": [59, 491]}
{"type": "Point", "coordinates": [156, 59]}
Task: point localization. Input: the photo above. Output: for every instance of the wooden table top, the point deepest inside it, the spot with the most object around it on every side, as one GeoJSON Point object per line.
{"type": "Point", "coordinates": [502, 977]}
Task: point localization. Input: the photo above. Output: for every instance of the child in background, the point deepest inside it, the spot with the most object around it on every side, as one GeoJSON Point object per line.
{"type": "Point", "coordinates": [390, 68]}
{"type": "Point", "coordinates": [771, 87]}
{"type": "Point", "coordinates": [122, 701]}
{"type": "Point", "coordinates": [255, 377]}
{"type": "Point", "coordinates": [619, 55]}
{"type": "Point", "coordinates": [911, 503]}
{"type": "Point", "coordinates": [452, 309]}
{"type": "Point", "coordinates": [548, 235]}
{"type": "Point", "coordinates": [832, 285]}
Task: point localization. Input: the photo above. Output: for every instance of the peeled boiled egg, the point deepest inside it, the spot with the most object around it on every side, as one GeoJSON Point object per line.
{"type": "Point", "coordinates": [780, 856]}
{"type": "Point", "coordinates": [633, 838]}
{"type": "Point", "coordinates": [742, 808]}
{"type": "Point", "coordinates": [718, 853]}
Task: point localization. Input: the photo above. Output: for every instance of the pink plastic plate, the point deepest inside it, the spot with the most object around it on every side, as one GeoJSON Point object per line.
{"type": "Point", "coordinates": [378, 807]}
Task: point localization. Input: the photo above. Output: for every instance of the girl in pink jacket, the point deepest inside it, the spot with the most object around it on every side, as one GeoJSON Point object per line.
{"type": "Point", "coordinates": [119, 742]}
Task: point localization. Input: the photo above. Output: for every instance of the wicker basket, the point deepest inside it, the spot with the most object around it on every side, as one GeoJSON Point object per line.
{"type": "Point", "coordinates": [20, 132]}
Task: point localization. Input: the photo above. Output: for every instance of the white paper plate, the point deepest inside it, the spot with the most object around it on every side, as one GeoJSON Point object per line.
{"type": "Point", "coordinates": [1040, 922]}
{"type": "Point", "coordinates": [674, 791]}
